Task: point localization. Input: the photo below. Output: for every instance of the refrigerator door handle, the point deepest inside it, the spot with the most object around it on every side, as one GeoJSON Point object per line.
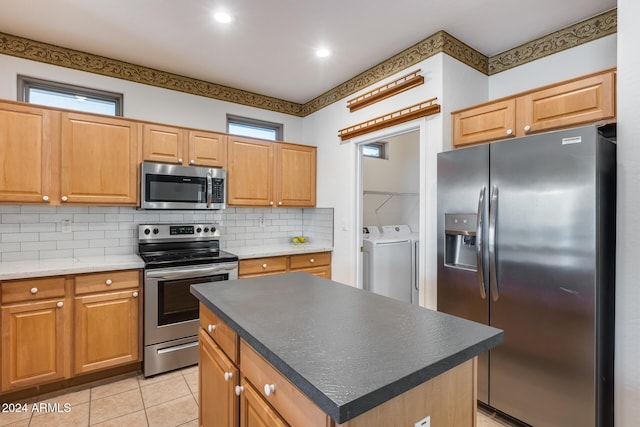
{"type": "Point", "coordinates": [493, 217]}
{"type": "Point", "coordinates": [480, 245]}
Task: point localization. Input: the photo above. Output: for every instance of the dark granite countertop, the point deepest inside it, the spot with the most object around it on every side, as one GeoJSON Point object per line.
{"type": "Point", "coordinates": [348, 350]}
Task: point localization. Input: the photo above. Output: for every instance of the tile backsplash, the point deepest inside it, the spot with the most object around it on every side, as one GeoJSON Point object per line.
{"type": "Point", "coordinates": [43, 232]}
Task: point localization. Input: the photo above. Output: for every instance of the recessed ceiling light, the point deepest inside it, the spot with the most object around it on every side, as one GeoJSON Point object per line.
{"type": "Point", "coordinates": [323, 53]}
{"type": "Point", "coordinates": [222, 17]}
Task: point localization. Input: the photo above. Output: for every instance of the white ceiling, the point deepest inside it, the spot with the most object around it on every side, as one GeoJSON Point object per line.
{"type": "Point", "coordinates": [269, 48]}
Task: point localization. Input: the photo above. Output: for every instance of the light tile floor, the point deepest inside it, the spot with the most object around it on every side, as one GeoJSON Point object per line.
{"type": "Point", "coordinates": [167, 400]}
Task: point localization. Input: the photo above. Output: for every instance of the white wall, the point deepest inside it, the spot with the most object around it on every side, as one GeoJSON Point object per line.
{"type": "Point", "coordinates": [145, 102]}
{"type": "Point", "coordinates": [587, 58]}
{"type": "Point", "coordinates": [627, 352]}
{"type": "Point", "coordinates": [400, 173]}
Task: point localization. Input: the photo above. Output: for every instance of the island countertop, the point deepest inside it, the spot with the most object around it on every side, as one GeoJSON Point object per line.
{"type": "Point", "coordinates": [347, 349]}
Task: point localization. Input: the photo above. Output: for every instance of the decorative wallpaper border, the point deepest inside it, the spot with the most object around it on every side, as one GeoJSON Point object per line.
{"type": "Point", "coordinates": [583, 32]}
{"type": "Point", "coordinates": [441, 42]}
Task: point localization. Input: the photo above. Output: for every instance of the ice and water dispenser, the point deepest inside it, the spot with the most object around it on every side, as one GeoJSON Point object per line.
{"type": "Point", "coordinates": [460, 241]}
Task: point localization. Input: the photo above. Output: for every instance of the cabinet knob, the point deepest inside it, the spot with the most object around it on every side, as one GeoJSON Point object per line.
{"type": "Point", "coordinates": [228, 376]}
{"type": "Point", "coordinates": [271, 202]}
{"type": "Point", "coordinates": [179, 159]}
{"type": "Point", "coordinates": [527, 128]}
{"type": "Point", "coordinates": [279, 203]}
{"type": "Point", "coordinates": [64, 198]}
{"type": "Point", "coordinates": [211, 328]}
{"type": "Point", "coordinates": [135, 294]}
{"type": "Point", "coordinates": [193, 162]}
{"type": "Point", "coordinates": [45, 198]}
{"type": "Point", "coordinates": [239, 390]}
{"type": "Point", "coordinates": [269, 388]}
{"type": "Point", "coordinates": [264, 265]}
{"type": "Point", "coordinates": [509, 131]}
{"type": "Point", "coordinates": [108, 282]}
{"type": "Point", "coordinates": [34, 290]}
{"type": "Point", "coordinates": [59, 304]}
{"type": "Point", "coordinates": [312, 260]}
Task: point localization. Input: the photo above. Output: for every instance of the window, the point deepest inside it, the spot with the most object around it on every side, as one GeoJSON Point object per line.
{"type": "Point", "coordinates": [254, 128]}
{"type": "Point", "coordinates": [62, 95]}
{"type": "Point", "coordinates": [376, 150]}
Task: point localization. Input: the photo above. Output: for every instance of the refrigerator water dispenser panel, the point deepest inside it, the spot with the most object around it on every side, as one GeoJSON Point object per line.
{"type": "Point", "coordinates": [460, 241]}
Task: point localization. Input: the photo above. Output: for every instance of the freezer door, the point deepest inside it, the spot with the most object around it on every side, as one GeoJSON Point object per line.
{"type": "Point", "coordinates": [462, 174]}
{"type": "Point", "coordinates": [543, 206]}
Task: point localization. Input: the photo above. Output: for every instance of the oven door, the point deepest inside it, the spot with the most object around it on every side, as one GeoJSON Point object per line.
{"type": "Point", "coordinates": [170, 310]}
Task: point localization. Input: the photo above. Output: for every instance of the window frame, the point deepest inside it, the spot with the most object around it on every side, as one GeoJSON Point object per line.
{"type": "Point", "coordinates": [26, 83]}
{"type": "Point", "coordinates": [256, 123]}
{"type": "Point", "coordinates": [382, 149]}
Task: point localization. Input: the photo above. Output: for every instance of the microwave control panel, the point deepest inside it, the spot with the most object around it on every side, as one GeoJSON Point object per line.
{"type": "Point", "coordinates": [217, 190]}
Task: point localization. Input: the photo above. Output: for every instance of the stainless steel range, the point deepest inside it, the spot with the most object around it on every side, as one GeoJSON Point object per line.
{"type": "Point", "coordinates": [177, 256]}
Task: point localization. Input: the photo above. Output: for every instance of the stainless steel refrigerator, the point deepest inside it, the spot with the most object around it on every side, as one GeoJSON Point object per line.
{"type": "Point", "coordinates": [526, 243]}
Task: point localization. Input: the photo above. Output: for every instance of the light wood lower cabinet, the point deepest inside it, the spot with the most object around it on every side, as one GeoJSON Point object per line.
{"type": "Point", "coordinates": [316, 263]}
{"type": "Point", "coordinates": [254, 411]}
{"type": "Point", "coordinates": [51, 331]}
{"type": "Point", "coordinates": [218, 379]}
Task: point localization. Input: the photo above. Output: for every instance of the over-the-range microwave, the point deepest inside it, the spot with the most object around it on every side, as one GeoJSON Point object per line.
{"type": "Point", "coordinates": [166, 186]}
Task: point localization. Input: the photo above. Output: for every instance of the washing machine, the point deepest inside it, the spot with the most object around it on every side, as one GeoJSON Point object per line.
{"type": "Point", "coordinates": [390, 262]}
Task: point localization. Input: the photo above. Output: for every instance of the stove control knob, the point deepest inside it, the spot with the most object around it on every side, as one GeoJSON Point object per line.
{"type": "Point", "coordinates": [147, 231]}
{"type": "Point", "coordinates": [199, 230]}
{"type": "Point", "coordinates": [213, 229]}
{"type": "Point", "coordinates": [206, 229]}
{"type": "Point", "coordinates": [156, 231]}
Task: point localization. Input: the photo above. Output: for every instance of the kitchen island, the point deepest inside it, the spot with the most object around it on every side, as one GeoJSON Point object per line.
{"type": "Point", "coordinates": [299, 350]}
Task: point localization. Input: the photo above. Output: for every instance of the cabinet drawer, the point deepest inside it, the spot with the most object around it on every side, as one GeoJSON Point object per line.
{"type": "Point", "coordinates": [221, 333]}
{"type": "Point", "coordinates": [291, 403]}
{"type": "Point", "coordinates": [107, 281]}
{"type": "Point", "coordinates": [32, 289]}
{"type": "Point", "coordinates": [262, 265]}
{"type": "Point", "coordinates": [310, 260]}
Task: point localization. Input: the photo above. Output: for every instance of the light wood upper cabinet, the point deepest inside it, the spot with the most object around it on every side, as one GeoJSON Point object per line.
{"type": "Point", "coordinates": [295, 175]}
{"type": "Point", "coordinates": [35, 333]}
{"type": "Point", "coordinates": [266, 173]}
{"type": "Point", "coordinates": [485, 123]}
{"type": "Point", "coordinates": [250, 172]}
{"type": "Point", "coordinates": [99, 159]}
{"type": "Point", "coordinates": [27, 140]}
{"type": "Point", "coordinates": [583, 100]}
{"type": "Point", "coordinates": [169, 144]}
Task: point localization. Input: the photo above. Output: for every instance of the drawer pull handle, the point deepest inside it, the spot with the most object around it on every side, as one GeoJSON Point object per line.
{"type": "Point", "coordinates": [269, 389]}
{"type": "Point", "coordinates": [211, 328]}
{"type": "Point", "coordinates": [108, 282]}
{"type": "Point", "coordinates": [279, 203]}
{"type": "Point", "coordinates": [228, 376]}
{"type": "Point", "coordinates": [179, 159]}
{"type": "Point", "coordinates": [270, 202]}
{"type": "Point", "coordinates": [64, 198]}
{"type": "Point", "coordinates": [34, 291]}
{"type": "Point", "coordinates": [264, 265]}
{"type": "Point", "coordinates": [509, 131]}
{"type": "Point", "coordinates": [527, 128]}
{"type": "Point", "coordinates": [193, 162]}
{"type": "Point", "coordinates": [239, 390]}
{"type": "Point", "coordinates": [45, 198]}
{"type": "Point", "coordinates": [135, 294]}
{"type": "Point", "coordinates": [312, 260]}
{"type": "Point", "coordinates": [59, 304]}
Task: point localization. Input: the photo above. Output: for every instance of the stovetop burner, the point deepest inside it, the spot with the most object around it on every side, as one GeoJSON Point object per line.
{"type": "Point", "coordinates": [175, 245]}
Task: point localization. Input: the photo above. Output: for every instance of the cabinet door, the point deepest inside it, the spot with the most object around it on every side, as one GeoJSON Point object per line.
{"type": "Point", "coordinates": [218, 379]}
{"type": "Point", "coordinates": [488, 122]}
{"type": "Point", "coordinates": [99, 160]}
{"type": "Point", "coordinates": [162, 143]}
{"type": "Point", "coordinates": [255, 412]}
{"type": "Point", "coordinates": [584, 100]}
{"type": "Point", "coordinates": [28, 136]}
{"type": "Point", "coordinates": [250, 172]}
{"type": "Point", "coordinates": [324, 271]}
{"type": "Point", "coordinates": [106, 330]}
{"type": "Point", "coordinates": [207, 149]}
{"type": "Point", "coordinates": [295, 175]}
{"type": "Point", "coordinates": [35, 343]}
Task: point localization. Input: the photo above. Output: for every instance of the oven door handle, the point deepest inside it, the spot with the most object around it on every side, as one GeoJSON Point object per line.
{"type": "Point", "coordinates": [189, 272]}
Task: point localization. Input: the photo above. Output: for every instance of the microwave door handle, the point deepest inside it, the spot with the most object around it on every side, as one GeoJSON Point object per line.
{"type": "Point", "coordinates": [187, 273]}
{"type": "Point", "coordinates": [209, 190]}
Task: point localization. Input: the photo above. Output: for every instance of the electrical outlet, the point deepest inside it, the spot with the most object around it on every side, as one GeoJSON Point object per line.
{"type": "Point", "coordinates": [66, 226]}
{"type": "Point", "coordinates": [261, 222]}
{"type": "Point", "coordinates": [426, 422]}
